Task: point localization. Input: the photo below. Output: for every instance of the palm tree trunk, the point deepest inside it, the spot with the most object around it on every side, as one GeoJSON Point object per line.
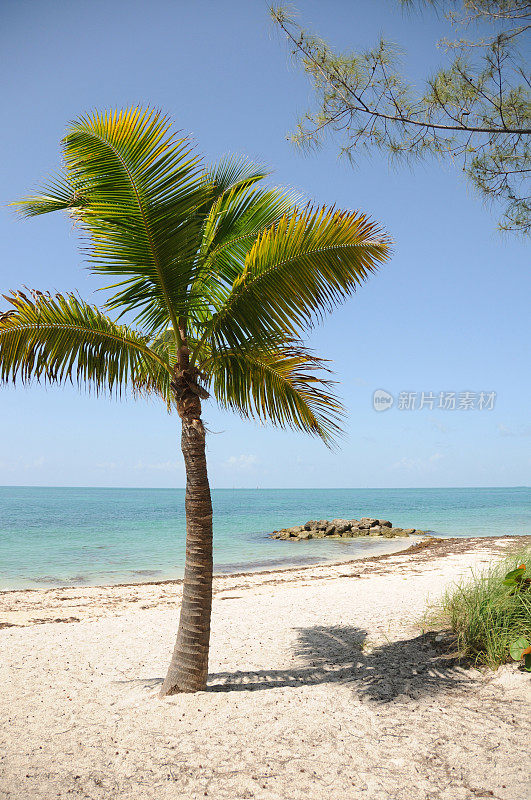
{"type": "Point", "coordinates": [188, 669]}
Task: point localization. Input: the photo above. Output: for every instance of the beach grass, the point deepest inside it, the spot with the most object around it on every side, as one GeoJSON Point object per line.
{"type": "Point", "coordinates": [485, 615]}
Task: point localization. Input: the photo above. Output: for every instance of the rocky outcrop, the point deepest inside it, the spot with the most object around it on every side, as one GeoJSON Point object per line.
{"type": "Point", "coordinates": [344, 529]}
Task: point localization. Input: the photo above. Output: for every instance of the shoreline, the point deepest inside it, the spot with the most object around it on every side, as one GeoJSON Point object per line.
{"type": "Point", "coordinates": [69, 604]}
{"type": "Point", "coordinates": [426, 543]}
{"type": "Point", "coordinates": [276, 567]}
{"type": "Point", "coordinates": [306, 562]}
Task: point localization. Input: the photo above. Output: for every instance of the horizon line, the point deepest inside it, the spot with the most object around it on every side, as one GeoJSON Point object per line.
{"type": "Point", "coordinates": [260, 488]}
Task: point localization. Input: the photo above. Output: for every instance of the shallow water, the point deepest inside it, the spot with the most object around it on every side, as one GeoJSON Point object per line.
{"type": "Point", "coordinates": [84, 536]}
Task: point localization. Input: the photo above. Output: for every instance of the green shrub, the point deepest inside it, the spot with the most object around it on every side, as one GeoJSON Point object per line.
{"type": "Point", "coordinates": [491, 611]}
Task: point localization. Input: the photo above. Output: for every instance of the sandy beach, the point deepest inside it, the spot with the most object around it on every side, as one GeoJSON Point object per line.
{"type": "Point", "coordinates": [324, 682]}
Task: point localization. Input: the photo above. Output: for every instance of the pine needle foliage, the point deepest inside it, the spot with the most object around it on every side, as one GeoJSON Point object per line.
{"type": "Point", "coordinates": [474, 111]}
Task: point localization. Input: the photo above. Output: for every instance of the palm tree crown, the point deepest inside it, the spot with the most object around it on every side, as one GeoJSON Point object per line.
{"type": "Point", "coordinates": [203, 256]}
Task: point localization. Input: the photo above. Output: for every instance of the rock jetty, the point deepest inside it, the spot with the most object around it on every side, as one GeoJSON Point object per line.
{"type": "Point", "coordinates": [344, 529]}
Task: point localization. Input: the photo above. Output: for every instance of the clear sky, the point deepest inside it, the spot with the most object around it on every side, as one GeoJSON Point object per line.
{"type": "Point", "coordinates": [449, 312]}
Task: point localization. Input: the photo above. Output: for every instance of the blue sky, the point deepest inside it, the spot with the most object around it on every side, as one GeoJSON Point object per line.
{"type": "Point", "coordinates": [449, 312]}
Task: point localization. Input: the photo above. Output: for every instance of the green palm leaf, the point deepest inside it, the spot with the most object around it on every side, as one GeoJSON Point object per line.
{"type": "Point", "coordinates": [138, 187]}
{"type": "Point", "coordinates": [59, 194]}
{"type": "Point", "coordinates": [298, 270]}
{"type": "Point", "coordinates": [280, 384]}
{"type": "Point", "coordinates": [236, 214]}
{"type": "Point", "coordinates": [59, 339]}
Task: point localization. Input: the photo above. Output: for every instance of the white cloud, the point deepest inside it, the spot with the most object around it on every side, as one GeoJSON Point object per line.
{"type": "Point", "coordinates": [520, 432]}
{"type": "Point", "coordinates": [418, 464]}
{"type": "Point", "coordinates": [438, 426]}
{"type": "Point", "coordinates": [245, 461]}
{"type": "Point", "coordinates": [106, 465]}
{"type": "Point", "coordinates": [158, 466]}
{"type": "Point", "coordinates": [140, 466]}
{"type": "Point", "coordinates": [21, 464]}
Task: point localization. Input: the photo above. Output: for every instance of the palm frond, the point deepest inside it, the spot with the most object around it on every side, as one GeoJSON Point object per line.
{"type": "Point", "coordinates": [233, 171]}
{"type": "Point", "coordinates": [298, 270]}
{"type": "Point", "coordinates": [62, 339]}
{"type": "Point", "coordinates": [58, 194]}
{"type": "Point", "coordinates": [234, 219]}
{"type": "Point", "coordinates": [280, 384]}
{"type": "Point", "coordinates": [234, 223]}
{"type": "Point", "coordinates": [141, 186]}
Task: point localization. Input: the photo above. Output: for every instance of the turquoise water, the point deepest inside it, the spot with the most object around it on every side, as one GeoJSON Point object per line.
{"type": "Point", "coordinates": [68, 536]}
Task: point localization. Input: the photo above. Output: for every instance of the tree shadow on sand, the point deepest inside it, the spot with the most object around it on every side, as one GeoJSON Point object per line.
{"type": "Point", "coordinates": [337, 654]}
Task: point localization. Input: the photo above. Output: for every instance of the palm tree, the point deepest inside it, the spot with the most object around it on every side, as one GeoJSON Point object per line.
{"type": "Point", "coordinates": [219, 277]}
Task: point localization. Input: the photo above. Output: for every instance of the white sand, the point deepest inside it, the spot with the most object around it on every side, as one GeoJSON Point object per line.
{"type": "Point", "coordinates": [322, 686]}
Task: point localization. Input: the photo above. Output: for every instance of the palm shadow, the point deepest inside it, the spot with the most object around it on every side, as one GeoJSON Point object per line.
{"type": "Point", "coordinates": [337, 654]}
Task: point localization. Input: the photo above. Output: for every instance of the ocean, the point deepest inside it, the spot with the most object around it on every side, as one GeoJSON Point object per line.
{"type": "Point", "coordinates": [87, 536]}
